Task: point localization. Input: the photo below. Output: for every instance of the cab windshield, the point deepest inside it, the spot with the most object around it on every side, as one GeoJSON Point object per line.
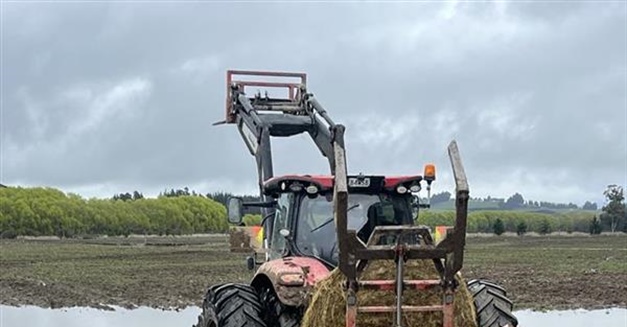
{"type": "Point", "coordinates": [316, 234]}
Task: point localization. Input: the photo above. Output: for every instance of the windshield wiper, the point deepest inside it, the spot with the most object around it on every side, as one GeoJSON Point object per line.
{"type": "Point", "coordinates": [331, 219]}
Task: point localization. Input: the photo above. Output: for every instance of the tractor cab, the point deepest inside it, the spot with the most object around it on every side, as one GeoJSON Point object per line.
{"type": "Point", "coordinates": [314, 227]}
{"type": "Point", "coordinates": [302, 220]}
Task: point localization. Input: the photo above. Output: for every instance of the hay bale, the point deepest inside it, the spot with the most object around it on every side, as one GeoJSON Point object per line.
{"type": "Point", "coordinates": [327, 306]}
{"type": "Point", "coordinates": [239, 240]}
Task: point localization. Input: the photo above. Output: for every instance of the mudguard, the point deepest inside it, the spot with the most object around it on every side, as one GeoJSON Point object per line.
{"type": "Point", "coordinates": [291, 277]}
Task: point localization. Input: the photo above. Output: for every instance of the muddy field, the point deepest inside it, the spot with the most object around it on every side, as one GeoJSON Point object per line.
{"type": "Point", "coordinates": [539, 272]}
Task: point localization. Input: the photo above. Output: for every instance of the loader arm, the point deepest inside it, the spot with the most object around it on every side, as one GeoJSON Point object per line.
{"type": "Point", "coordinates": [260, 117]}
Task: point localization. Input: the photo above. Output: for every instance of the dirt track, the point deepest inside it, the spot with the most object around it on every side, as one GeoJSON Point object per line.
{"type": "Point", "coordinates": [538, 272]}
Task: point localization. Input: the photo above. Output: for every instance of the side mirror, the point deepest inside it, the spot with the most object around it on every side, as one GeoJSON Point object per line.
{"type": "Point", "coordinates": [234, 210]}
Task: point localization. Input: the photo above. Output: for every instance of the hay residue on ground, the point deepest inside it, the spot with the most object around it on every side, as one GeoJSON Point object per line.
{"type": "Point", "coordinates": [327, 306]}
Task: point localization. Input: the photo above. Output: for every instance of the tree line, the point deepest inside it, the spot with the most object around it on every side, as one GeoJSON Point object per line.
{"type": "Point", "coordinates": [498, 222]}
{"type": "Point", "coordinates": [612, 218]}
{"type": "Point", "coordinates": [43, 211]}
{"type": "Point", "coordinates": [515, 201]}
{"type": "Point", "coordinates": [46, 211]}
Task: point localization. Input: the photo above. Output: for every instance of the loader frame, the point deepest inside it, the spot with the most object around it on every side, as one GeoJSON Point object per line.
{"type": "Point", "coordinates": [258, 118]}
{"type": "Point", "coordinates": [447, 255]}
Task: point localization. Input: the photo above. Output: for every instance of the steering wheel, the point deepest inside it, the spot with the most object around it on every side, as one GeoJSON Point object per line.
{"type": "Point", "coordinates": [328, 221]}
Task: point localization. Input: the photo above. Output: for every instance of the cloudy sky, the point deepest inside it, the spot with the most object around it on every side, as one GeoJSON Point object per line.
{"type": "Point", "coordinates": [104, 97]}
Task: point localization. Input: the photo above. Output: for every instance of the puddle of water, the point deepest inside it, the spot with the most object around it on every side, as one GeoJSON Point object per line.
{"type": "Point", "coordinates": [80, 317]}
{"type": "Point", "coordinates": [614, 317]}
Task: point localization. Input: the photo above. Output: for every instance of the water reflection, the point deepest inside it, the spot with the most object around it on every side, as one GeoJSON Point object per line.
{"type": "Point", "coordinates": [80, 317]}
{"type": "Point", "coordinates": [573, 318]}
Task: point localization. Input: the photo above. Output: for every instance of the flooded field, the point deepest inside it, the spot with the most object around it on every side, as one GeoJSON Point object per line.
{"type": "Point", "coordinates": [540, 273]}
{"type": "Point", "coordinates": [552, 274]}
{"type": "Point", "coordinates": [143, 316]}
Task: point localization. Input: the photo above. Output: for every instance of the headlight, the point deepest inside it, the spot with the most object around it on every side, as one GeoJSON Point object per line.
{"type": "Point", "coordinates": [401, 189]}
{"type": "Point", "coordinates": [312, 189]}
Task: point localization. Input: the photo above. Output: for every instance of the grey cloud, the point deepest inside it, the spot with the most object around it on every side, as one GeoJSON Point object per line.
{"type": "Point", "coordinates": [526, 89]}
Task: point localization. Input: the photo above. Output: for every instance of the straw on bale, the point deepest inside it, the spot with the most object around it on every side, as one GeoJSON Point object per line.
{"type": "Point", "coordinates": [239, 240]}
{"type": "Point", "coordinates": [327, 306]}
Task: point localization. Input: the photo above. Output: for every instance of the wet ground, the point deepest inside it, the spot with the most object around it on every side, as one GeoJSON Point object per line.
{"type": "Point", "coordinates": [553, 272]}
{"type": "Point", "coordinates": [120, 317]}
{"type": "Point", "coordinates": [546, 272]}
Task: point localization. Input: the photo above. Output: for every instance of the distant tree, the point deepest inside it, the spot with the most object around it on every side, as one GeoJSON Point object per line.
{"type": "Point", "coordinates": [595, 226]}
{"type": "Point", "coordinates": [613, 214]}
{"type": "Point", "coordinates": [589, 206]}
{"type": "Point", "coordinates": [221, 197]}
{"type": "Point", "coordinates": [521, 228]}
{"type": "Point", "coordinates": [251, 220]}
{"type": "Point", "coordinates": [498, 227]}
{"type": "Point", "coordinates": [137, 195]}
{"type": "Point", "coordinates": [123, 196]}
{"type": "Point", "coordinates": [545, 227]}
{"type": "Point", "coordinates": [515, 201]}
{"type": "Point", "coordinates": [440, 197]}
{"type": "Point", "coordinates": [172, 193]}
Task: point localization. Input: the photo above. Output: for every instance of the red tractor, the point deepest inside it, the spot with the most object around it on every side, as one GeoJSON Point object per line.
{"type": "Point", "coordinates": [314, 224]}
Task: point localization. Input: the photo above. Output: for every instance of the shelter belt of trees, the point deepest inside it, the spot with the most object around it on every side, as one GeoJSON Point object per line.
{"type": "Point", "coordinates": [42, 211]}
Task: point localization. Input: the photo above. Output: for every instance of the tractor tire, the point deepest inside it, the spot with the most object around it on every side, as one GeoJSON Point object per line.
{"type": "Point", "coordinates": [493, 307]}
{"type": "Point", "coordinates": [231, 305]}
{"type": "Point", "coordinates": [276, 314]}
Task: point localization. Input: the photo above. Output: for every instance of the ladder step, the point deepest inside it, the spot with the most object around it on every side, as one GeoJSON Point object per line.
{"type": "Point", "coordinates": [404, 308]}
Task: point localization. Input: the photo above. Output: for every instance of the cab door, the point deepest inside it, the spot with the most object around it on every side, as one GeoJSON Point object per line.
{"type": "Point", "coordinates": [278, 243]}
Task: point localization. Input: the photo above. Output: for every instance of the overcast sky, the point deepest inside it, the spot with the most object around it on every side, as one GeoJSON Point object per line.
{"type": "Point", "coordinates": [99, 98]}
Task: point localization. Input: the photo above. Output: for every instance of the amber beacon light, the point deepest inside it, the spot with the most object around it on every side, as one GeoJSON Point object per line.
{"type": "Point", "coordinates": [429, 174]}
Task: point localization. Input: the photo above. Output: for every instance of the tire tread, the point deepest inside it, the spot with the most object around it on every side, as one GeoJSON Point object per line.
{"type": "Point", "coordinates": [493, 307]}
{"type": "Point", "coordinates": [231, 305]}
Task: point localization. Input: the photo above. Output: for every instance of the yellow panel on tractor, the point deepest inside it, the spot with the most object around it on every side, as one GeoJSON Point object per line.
{"type": "Point", "coordinates": [441, 232]}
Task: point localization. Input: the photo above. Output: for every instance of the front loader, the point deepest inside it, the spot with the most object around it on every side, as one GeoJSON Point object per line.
{"type": "Point", "coordinates": [314, 224]}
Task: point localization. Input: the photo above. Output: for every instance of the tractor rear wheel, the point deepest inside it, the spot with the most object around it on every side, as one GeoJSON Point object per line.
{"type": "Point", "coordinates": [231, 305]}
{"type": "Point", "coordinates": [493, 307]}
